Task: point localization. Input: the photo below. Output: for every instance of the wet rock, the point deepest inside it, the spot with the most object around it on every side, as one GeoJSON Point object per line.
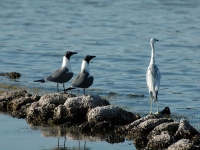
{"type": "Point", "coordinates": [196, 139]}
{"type": "Point", "coordinates": [93, 127]}
{"type": "Point", "coordinates": [18, 106]}
{"type": "Point", "coordinates": [78, 107]}
{"type": "Point", "coordinates": [185, 130]}
{"type": "Point", "coordinates": [171, 127]}
{"type": "Point", "coordinates": [160, 141]}
{"type": "Point", "coordinates": [146, 126]}
{"type": "Point", "coordinates": [113, 138]}
{"type": "Point", "coordinates": [183, 144]}
{"type": "Point", "coordinates": [39, 115]}
{"type": "Point", "coordinates": [12, 75]}
{"type": "Point", "coordinates": [113, 114]}
{"type": "Point", "coordinates": [60, 115]}
{"type": "Point", "coordinates": [138, 121]}
{"type": "Point", "coordinates": [55, 98]}
{"type": "Point", "coordinates": [6, 97]}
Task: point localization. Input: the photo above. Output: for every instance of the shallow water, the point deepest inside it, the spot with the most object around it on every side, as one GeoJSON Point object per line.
{"type": "Point", "coordinates": [34, 35]}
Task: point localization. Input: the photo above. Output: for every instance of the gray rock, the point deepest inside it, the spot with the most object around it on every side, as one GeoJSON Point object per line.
{"type": "Point", "coordinates": [38, 115]}
{"type": "Point", "coordinates": [60, 115]}
{"type": "Point", "coordinates": [55, 98]}
{"type": "Point", "coordinates": [113, 114]}
{"type": "Point", "coordinates": [148, 125]}
{"type": "Point", "coordinates": [6, 97]}
{"type": "Point", "coordinates": [160, 141]}
{"type": "Point", "coordinates": [183, 144]}
{"type": "Point", "coordinates": [18, 106]}
{"type": "Point", "coordinates": [185, 130]}
{"type": "Point", "coordinates": [138, 121]}
{"type": "Point", "coordinates": [171, 127]}
{"type": "Point", "coordinates": [78, 107]}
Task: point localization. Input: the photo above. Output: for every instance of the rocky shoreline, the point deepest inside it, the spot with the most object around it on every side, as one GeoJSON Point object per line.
{"type": "Point", "coordinates": [91, 115]}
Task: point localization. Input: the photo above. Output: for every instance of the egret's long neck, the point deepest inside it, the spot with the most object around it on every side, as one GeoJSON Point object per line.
{"type": "Point", "coordinates": [66, 63]}
{"type": "Point", "coordinates": [152, 61]}
{"type": "Point", "coordinates": [85, 67]}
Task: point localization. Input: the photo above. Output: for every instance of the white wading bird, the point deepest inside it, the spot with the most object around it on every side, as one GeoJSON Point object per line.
{"type": "Point", "coordinates": [153, 77]}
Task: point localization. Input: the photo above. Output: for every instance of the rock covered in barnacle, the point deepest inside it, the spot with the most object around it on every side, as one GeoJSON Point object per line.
{"type": "Point", "coordinates": [78, 107]}
{"type": "Point", "coordinates": [160, 141]}
{"type": "Point", "coordinates": [55, 98]}
{"type": "Point", "coordinates": [185, 130]}
{"type": "Point", "coordinates": [17, 102]}
{"type": "Point", "coordinates": [138, 121]}
{"type": "Point", "coordinates": [146, 126]}
{"type": "Point", "coordinates": [61, 115]}
{"type": "Point", "coordinates": [114, 114]}
{"type": "Point", "coordinates": [171, 127]}
{"type": "Point", "coordinates": [6, 97]}
{"type": "Point", "coordinates": [183, 144]}
{"type": "Point", "coordinates": [12, 75]}
{"type": "Point", "coordinates": [38, 115]}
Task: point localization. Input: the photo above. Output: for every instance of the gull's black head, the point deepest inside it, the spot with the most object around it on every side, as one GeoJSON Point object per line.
{"type": "Point", "coordinates": [68, 54]}
{"type": "Point", "coordinates": [88, 58]}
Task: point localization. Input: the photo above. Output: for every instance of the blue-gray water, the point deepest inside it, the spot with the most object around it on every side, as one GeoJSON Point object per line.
{"type": "Point", "coordinates": [34, 35]}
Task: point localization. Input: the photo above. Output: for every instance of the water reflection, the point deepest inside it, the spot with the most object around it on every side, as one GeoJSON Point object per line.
{"type": "Point", "coordinates": [73, 134]}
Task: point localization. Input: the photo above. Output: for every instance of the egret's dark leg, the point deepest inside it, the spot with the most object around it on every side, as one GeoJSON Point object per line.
{"type": "Point", "coordinates": [57, 87]}
{"type": "Point", "coordinates": [157, 100]}
{"type": "Point", "coordinates": [151, 96]}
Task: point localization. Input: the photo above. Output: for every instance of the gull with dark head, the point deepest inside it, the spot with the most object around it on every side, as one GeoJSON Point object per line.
{"type": "Point", "coordinates": [62, 75]}
{"type": "Point", "coordinates": [84, 79]}
{"type": "Point", "coordinates": [153, 77]}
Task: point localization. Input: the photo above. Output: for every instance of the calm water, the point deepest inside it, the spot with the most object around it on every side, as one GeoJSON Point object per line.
{"type": "Point", "coordinates": [34, 35]}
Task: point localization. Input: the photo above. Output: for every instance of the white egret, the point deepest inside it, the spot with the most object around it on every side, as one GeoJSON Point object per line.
{"type": "Point", "coordinates": [153, 77]}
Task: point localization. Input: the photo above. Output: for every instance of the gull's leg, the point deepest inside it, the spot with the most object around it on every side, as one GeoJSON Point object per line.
{"type": "Point", "coordinates": [78, 92]}
{"type": "Point", "coordinates": [84, 91]}
{"type": "Point", "coordinates": [64, 88]}
{"type": "Point", "coordinates": [57, 87]}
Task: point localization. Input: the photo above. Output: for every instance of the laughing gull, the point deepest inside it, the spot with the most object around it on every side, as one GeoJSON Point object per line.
{"type": "Point", "coordinates": [153, 77]}
{"type": "Point", "coordinates": [62, 75]}
{"type": "Point", "coordinates": [83, 79]}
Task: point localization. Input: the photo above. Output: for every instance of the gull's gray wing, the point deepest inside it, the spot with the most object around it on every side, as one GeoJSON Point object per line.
{"type": "Point", "coordinates": [83, 80]}
{"type": "Point", "coordinates": [60, 76]}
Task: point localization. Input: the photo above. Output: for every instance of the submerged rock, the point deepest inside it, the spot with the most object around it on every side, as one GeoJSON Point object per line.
{"type": "Point", "coordinates": [12, 75]}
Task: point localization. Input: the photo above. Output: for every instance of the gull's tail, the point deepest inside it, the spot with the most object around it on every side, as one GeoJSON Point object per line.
{"type": "Point", "coordinates": [41, 81]}
{"type": "Point", "coordinates": [70, 88]}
